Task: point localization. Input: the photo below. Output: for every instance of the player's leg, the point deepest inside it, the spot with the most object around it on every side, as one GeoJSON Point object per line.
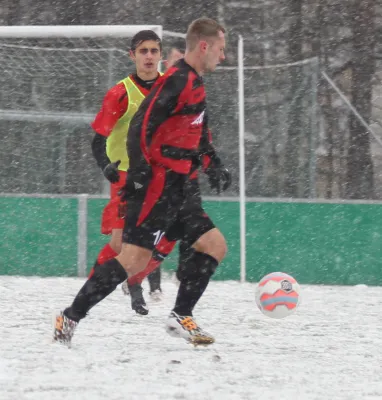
{"type": "Point", "coordinates": [65, 325]}
{"type": "Point", "coordinates": [110, 250]}
{"type": "Point", "coordinates": [106, 277]}
{"type": "Point", "coordinates": [133, 288]}
{"type": "Point", "coordinates": [161, 251]}
{"type": "Point", "coordinates": [197, 263]}
{"type": "Point", "coordinates": [155, 283]}
{"type": "Point", "coordinates": [202, 249]}
{"type": "Point", "coordinates": [146, 221]}
{"type": "Point", "coordinates": [112, 222]}
{"type": "Point", "coordinates": [196, 266]}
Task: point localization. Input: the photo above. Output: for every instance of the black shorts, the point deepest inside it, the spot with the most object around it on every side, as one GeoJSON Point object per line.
{"type": "Point", "coordinates": [168, 205]}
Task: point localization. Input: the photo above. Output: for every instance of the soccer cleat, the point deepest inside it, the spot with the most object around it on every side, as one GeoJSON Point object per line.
{"type": "Point", "coordinates": [156, 295]}
{"type": "Point", "coordinates": [138, 303]}
{"type": "Point", "coordinates": [63, 329]}
{"type": "Point", "coordinates": [185, 327]}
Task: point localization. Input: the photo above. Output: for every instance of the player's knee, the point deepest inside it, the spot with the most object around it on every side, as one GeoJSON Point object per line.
{"type": "Point", "coordinates": [109, 274]}
{"type": "Point", "coordinates": [212, 243]}
{"type": "Point", "coordinates": [134, 259]}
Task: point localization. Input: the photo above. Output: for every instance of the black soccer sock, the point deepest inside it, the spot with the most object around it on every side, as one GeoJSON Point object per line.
{"type": "Point", "coordinates": [154, 279]}
{"type": "Point", "coordinates": [194, 272]}
{"type": "Point", "coordinates": [105, 279]}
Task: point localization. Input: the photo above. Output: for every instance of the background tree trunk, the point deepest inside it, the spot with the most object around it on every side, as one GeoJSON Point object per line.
{"type": "Point", "coordinates": [359, 163]}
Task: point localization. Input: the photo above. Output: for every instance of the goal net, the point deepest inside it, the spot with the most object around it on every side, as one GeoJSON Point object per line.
{"type": "Point", "coordinates": [52, 82]}
{"type": "Point", "coordinates": [282, 129]}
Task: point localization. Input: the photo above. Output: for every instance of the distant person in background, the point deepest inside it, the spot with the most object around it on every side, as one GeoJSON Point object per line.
{"type": "Point", "coordinates": [175, 53]}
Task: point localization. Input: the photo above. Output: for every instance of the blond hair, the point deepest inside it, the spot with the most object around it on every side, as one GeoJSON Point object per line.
{"type": "Point", "coordinates": [202, 29]}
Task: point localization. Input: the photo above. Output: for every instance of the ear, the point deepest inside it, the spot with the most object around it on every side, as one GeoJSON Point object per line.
{"type": "Point", "coordinates": [203, 45]}
{"type": "Point", "coordinates": [132, 55]}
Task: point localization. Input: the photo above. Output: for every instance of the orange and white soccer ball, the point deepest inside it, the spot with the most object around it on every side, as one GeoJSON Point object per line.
{"type": "Point", "coordinates": [278, 295]}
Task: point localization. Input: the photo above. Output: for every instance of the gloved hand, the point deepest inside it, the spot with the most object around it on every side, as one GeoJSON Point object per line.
{"type": "Point", "coordinates": [111, 172]}
{"type": "Point", "coordinates": [136, 184]}
{"type": "Point", "coordinates": [123, 193]}
{"type": "Point", "coordinates": [219, 177]}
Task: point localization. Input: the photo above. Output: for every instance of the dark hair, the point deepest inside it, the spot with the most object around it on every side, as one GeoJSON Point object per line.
{"type": "Point", "coordinates": [202, 29]}
{"type": "Point", "coordinates": [142, 36]}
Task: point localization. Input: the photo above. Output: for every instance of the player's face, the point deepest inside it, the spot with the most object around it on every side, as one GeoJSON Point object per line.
{"type": "Point", "coordinates": [146, 57]}
{"type": "Point", "coordinates": [215, 53]}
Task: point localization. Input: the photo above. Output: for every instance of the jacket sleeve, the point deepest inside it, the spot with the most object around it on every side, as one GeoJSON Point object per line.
{"type": "Point", "coordinates": [207, 150]}
{"type": "Point", "coordinates": [99, 150]}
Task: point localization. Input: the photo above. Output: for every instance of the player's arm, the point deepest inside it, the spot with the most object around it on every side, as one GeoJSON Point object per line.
{"type": "Point", "coordinates": [99, 150]}
{"type": "Point", "coordinates": [113, 107]}
{"type": "Point", "coordinates": [218, 175]}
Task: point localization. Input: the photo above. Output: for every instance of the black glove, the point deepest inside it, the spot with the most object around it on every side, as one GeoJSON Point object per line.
{"type": "Point", "coordinates": [136, 184]}
{"type": "Point", "coordinates": [111, 172]}
{"type": "Point", "coordinates": [219, 177]}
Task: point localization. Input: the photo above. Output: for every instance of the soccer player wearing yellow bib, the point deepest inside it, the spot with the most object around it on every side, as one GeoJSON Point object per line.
{"type": "Point", "coordinates": [109, 147]}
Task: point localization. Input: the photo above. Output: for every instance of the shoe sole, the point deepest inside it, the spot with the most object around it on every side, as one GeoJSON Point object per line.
{"type": "Point", "coordinates": [201, 341]}
{"type": "Point", "coordinates": [194, 340]}
{"type": "Point", "coordinates": [141, 313]}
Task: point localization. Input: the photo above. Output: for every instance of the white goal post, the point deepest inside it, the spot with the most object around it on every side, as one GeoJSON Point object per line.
{"type": "Point", "coordinates": [75, 31]}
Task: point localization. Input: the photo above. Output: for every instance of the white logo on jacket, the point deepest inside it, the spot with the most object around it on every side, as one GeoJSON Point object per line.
{"type": "Point", "coordinates": [199, 119]}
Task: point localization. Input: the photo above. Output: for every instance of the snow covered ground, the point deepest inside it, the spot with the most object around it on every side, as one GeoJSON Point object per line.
{"type": "Point", "coordinates": [330, 349]}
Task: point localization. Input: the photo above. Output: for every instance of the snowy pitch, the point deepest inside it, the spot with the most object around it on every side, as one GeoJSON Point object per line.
{"type": "Point", "coordinates": [331, 349]}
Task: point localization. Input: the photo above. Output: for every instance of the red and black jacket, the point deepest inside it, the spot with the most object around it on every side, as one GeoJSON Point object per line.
{"type": "Point", "coordinates": [171, 124]}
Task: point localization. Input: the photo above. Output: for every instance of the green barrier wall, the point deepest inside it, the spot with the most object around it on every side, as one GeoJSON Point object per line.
{"type": "Point", "coordinates": [38, 236]}
{"type": "Point", "coordinates": [317, 243]}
